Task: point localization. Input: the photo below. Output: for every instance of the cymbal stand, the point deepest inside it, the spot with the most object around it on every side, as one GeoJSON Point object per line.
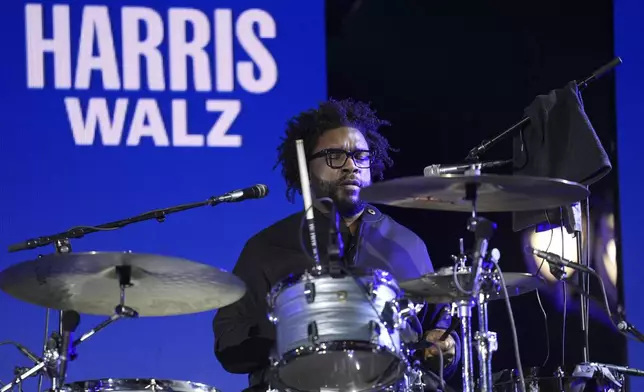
{"type": "Point", "coordinates": [51, 358]}
{"type": "Point", "coordinates": [483, 230]}
{"type": "Point", "coordinates": [463, 310]}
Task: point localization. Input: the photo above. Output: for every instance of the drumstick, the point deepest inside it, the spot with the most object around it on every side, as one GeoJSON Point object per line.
{"type": "Point", "coordinates": [306, 195]}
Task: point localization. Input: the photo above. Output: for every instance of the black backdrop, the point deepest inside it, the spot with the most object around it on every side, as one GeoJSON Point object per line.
{"type": "Point", "coordinates": [451, 74]}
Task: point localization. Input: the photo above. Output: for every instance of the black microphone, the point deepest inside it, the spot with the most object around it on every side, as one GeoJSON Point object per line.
{"type": "Point", "coordinates": [254, 192]}
{"type": "Point", "coordinates": [70, 322]}
{"type": "Point", "coordinates": [558, 260]}
{"type": "Point", "coordinates": [25, 351]}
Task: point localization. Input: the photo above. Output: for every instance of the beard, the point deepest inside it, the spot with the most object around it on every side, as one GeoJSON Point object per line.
{"type": "Point", "coordinates": [347, 202]}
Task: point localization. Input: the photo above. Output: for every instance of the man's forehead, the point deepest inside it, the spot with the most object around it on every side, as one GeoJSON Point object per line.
{"type": "Point", "coordinates": [343, 137]}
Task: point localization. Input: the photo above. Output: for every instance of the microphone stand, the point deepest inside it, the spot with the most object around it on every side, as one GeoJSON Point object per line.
{"type": "Point", "coordinates": [61, 240]}
{"type": "Point", "coordinates": [614, 374]}
{"type": "Point", "coordinates": [62, 245]}
{"type": "Point", "coordinates": [51, 358]}
{"type": "Point", "coordinates": [483, 147]}
{"type": "Point", "coordinates": [473, 155]}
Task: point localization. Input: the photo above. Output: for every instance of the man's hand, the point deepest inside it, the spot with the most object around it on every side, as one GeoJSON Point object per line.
{"type": "Point", "coordinates": [447, 346]}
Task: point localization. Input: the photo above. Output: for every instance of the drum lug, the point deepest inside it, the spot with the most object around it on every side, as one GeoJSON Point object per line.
{"type": "Point", "coordinates": [272, 318]}
{"type": "Point", "coordinates": [390, 316]}
{"type": "Point", "coordinates": [313, 332]}
{"type": "Point", "coordinates": [309, 292]}
{"type": "Point", "coordinates": [375, 331]}
{"type": "Point", "coordinates": [371, 288]}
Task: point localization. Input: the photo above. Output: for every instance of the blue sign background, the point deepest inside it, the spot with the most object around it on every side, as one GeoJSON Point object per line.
{"type": "Point", "coordinates": [629, 44]}
{"type": "Point", "coordinates": [49, 183]}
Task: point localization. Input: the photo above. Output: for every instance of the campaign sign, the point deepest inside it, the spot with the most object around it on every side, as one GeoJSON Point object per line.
{"type": "Point", "coordinates": [113, 109]}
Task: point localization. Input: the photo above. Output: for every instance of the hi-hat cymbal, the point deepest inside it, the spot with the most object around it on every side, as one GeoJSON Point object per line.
{"type": "Point", "coordinates": [496, 193]}
{"type": "Point", "coordinates": [89, 283]}
{"type": "Point", "coordinates": [439, 287]}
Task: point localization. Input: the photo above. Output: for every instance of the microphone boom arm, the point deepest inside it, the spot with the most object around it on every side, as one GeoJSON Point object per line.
{"type": "Point", "coordinates": [159, 215]}
{"type": "Point", "coordinates": [482, 148]}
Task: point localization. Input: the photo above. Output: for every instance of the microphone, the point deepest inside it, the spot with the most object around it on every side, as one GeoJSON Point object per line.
{"type": "Point", "coordinates": [558, 260]}
{"type": "Point", "coordinates": [70, 321]}
{"type": "Point", "coordinates": [254, 192]}
{"type": "Point", "coordinates": [25, 351]}
{"type": "Point", "coordinates": [437, 170]}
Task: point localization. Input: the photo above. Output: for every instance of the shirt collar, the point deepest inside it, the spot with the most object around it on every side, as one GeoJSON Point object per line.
{"type": "Point", "coordinates": [369, 215]}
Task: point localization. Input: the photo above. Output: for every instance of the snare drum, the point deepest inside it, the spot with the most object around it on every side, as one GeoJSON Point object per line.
{"type": "Point", "coordinates": [137, 385]}
{"type": "Point", "coordinates": [337, 332]}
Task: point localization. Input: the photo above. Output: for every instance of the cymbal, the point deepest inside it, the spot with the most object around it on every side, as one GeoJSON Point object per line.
{"type": "Point", "coordinates": [439, 287]}
{"type": "Point", "coordinates": [496, 193]}
{"type": "Point", "coordinates": [89, 283]}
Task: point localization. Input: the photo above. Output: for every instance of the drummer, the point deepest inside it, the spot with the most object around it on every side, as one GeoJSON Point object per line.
{"type": "Point", "coordinates": [345, 152]}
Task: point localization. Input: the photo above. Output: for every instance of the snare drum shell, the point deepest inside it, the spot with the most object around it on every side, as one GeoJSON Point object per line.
{"type": "Point", "coordinates": [322, 309]}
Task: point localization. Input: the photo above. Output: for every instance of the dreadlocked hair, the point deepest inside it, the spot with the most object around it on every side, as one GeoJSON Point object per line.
{"type": "Point", "coordinates": [311, 124]}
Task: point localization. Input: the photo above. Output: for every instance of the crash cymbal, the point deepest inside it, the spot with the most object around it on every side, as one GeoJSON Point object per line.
{"type": "Point", "coordinates": [496, 193]}
{"type": "Point", "coordinates": [89, 283]}
{"type": "Point", "coordinates": [439, 287]}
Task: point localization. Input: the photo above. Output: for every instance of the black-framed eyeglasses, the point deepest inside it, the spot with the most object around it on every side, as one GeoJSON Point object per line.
{"type": "Point", "coordinates": [336, 158]}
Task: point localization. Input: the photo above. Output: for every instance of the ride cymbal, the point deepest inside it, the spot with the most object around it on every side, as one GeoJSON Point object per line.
{"type": "Point", "coordinates": [494, 193]}
{"type": "Point", "coordinates": [90, 283]}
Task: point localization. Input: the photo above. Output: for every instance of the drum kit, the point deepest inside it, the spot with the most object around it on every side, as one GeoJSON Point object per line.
{"type": "Point", "coordinates": [346, 326]}
{"type": "Point", "coordinates": [337, 328]}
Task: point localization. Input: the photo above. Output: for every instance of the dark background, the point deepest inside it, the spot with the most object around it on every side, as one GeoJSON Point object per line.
{"type": "Point", "coordinates": [451, 74]}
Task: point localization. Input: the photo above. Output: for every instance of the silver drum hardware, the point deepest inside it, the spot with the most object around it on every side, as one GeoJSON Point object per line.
{"type": "Point", "coordinates": [337, 332]}
{"type": "Point", "coordinates": [137, 385]}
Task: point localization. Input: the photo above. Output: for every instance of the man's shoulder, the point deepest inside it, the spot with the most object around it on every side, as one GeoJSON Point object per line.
{"type": "Point", "coordinates": [398, 228]}
{"type": "Point", "coordinates": [277, 230]}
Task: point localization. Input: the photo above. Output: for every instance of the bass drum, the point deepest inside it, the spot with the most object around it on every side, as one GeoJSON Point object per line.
{"type": "Point", "coordinates": [337, 332]}
{"type": "Point", "coordinates": [137, 385]}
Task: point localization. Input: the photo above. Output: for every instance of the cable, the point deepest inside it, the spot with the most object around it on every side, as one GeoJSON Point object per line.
{"type": "Point", "coordinates": [515, 338]}
{"type": "Point", "coordinates": [543, 310]}
{"type": "Point", "coordinates": [587, 287]}
{"type": "Point", "coordinates": [7, 342]}
{"type": "Point", "coordinates": [545, 319]}
{"type": "Point", "coordinates": [565, 297]}
{"type": "Point", "coordinates": [543, 261]}
{"type": "Point", "coordinates": [40, 376]}
{"type": "Point", "coordinates": [584, 269]}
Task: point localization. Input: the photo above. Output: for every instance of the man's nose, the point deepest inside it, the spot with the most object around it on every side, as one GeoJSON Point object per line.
{"type": "Point", "coordinates": [350, 166]}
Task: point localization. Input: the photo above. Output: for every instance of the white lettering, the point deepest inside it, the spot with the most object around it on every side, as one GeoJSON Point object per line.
{"type": "Point", "coordinates": [180, 49]}
{"type": "Point", "coordinates": [96, 27]}
{"type": "Point", "coordinates": [217, 136]}
{"type": "Point", "coordinates": [134, 48]}
{"type": "Point", "coordinates": [59, 45]}
{"type": "Point", "coordinates": [180, 135]}
{"type": "Point", "coordinates": [84, 129]}
{"type": "Point", "coordinates": [147, 121]}
{"type": "Point", "coordinates": [256, 51]}
{"type": "Point", "coordinates": [224, 59]}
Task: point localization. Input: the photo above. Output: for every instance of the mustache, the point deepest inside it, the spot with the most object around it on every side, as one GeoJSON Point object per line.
{"type": "Point", "coordinates": [349, 180]}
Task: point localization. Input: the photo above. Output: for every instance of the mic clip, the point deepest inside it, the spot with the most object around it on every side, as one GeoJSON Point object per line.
{"type": "Point", "coordinates": [558, 271]}
{"type": "Point", "coordinates": [624, 326]}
